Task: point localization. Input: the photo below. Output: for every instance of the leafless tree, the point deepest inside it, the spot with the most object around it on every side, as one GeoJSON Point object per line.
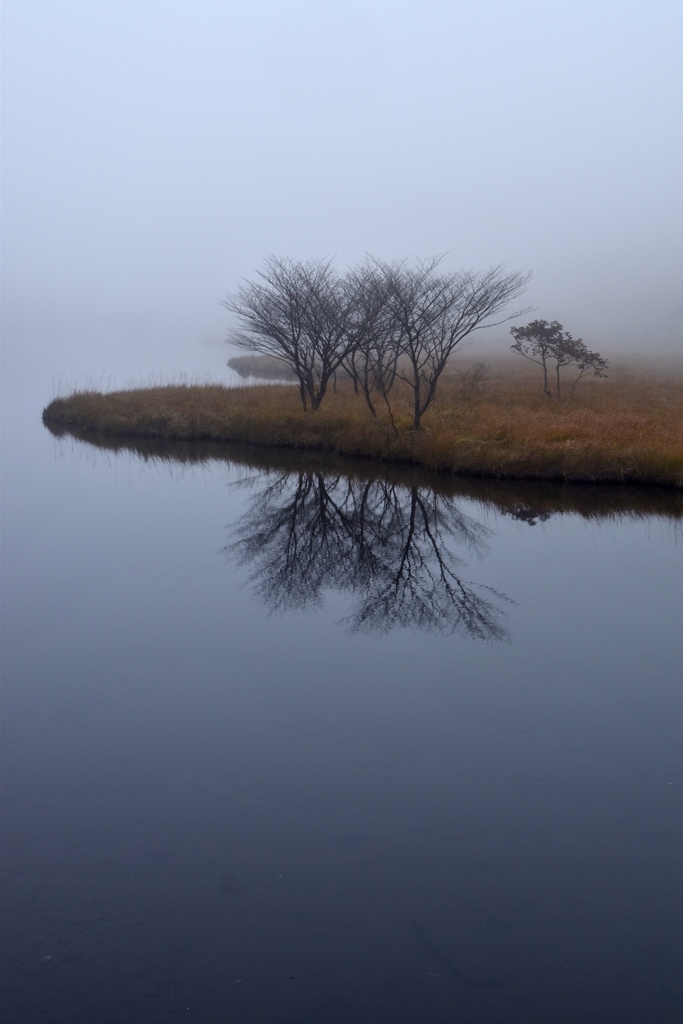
{"type": "Point", "coordinates": [542, 343]}
{"type": "Point", "coordinates": [433, 311]}
{"type": "Point", "coordinates": [316, 321]}
{"type": "Point", "coordinates": [472, 378]}
{"type": "Point", "coordinates": [373, 359]}
{"type": "Point", "coordinates": [301, 313]}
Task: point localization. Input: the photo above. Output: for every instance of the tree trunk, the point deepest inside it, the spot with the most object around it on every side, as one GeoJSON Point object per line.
{"type": "Point", "coordinates": [545, 380]}
{"type": "Point", "coordinates": [366, 391]}
{"type": "Point", "coordinates": [317, 399]}
{"type": "Point", "coordinates": [354, 374]}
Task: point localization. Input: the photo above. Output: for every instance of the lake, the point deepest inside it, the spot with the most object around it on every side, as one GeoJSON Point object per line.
{"type": "Point", "coordinates": [288, 740]}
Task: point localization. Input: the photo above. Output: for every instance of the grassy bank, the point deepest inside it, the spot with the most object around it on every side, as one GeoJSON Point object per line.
{"type": "Point", "coordinates": [627, 428]}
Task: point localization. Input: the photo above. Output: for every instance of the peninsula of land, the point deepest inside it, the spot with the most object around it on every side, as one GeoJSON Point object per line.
{"type": "Point", "coordinates": [628, 428]}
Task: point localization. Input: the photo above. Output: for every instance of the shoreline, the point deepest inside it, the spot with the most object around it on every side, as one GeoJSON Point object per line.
{"type": "Point", "coordinates": [481, 437]}
{"type": "Point", "coordinates": [515, 497]}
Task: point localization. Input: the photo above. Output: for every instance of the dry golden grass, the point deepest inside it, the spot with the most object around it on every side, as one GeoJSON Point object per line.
{"type": "Point", "coordinates": [626, 428]}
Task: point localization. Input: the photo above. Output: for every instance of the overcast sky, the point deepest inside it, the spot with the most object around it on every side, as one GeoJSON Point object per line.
{"type": "Point", "coordinates": [154, 151]}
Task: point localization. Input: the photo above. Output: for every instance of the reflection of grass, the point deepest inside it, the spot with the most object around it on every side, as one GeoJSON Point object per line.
{"type": "Point", "coordinates": [629, 427]}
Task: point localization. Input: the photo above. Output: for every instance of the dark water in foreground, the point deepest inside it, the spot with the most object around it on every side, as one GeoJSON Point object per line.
{"type": "Point", "coordinates": [285, 745]}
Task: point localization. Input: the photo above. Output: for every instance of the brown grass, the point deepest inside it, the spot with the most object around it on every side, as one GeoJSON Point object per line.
{"type": "Point", "coordinates": [626, 428]}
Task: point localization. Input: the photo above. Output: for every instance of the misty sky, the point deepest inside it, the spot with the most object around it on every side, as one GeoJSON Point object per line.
{"type": "Point", "coordinates": [154, 151]}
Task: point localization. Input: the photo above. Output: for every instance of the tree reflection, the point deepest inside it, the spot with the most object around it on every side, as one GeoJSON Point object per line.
{"type": "Point", "coordinates": [389, 545]}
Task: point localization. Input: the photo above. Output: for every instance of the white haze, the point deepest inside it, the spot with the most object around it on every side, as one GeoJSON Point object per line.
{"type": "Point", "coordinates": [156, 150]}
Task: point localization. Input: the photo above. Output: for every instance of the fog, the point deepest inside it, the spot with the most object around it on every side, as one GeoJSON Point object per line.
{"type": "Point", "coordinates": [155, 152]}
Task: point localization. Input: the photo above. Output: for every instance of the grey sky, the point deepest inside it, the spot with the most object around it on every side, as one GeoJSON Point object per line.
{"type": "Point", "coordinates": [156, 150]}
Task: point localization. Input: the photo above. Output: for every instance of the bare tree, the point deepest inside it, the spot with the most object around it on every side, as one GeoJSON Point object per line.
{"type": "Point", "coordinates": [301, 313]}
{"type": "Point", "coordinates": [542, 342]}
{"type": "Point", "coordinates": [315, 322]}
{"type": "Point", "coordinates": [472, 379]}
{"type": "Point", "coordinates": [432, 312]}
{"type": "Point", "coordinates": [373, 358]}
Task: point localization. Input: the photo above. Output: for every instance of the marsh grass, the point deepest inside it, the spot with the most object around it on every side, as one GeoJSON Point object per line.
{"type": "Point", "coordinates": [627, 428]}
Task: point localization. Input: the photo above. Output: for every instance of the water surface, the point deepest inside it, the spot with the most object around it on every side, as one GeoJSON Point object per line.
{"type": "Point", "coordinates": [291, 740]}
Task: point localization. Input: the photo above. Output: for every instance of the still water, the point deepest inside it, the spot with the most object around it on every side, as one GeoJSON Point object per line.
{"type": "Point", "coordinates": [291, 741]}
